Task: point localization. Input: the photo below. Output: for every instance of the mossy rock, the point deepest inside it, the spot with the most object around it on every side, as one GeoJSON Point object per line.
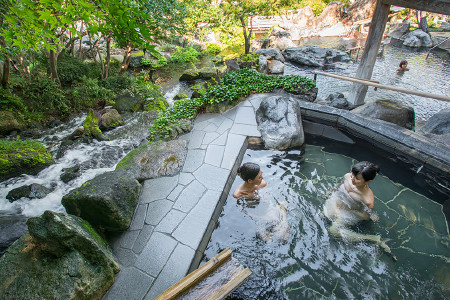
{"type": "Point", "coordinates": [155, 159]}
{"type": "Point", "coordinates": [61, 258]}
{"type": "Point", "coordinates": [22, 157]}
{"type": "Point", "coordinates": [190, 75]}
{"type": "Point", "coordinates": [107, 201]}
{"type": "Point", "coordinates": [111, 119]}
{"type": "Point", "coordinates": [129, 103]}
{"type": "Point", "coordinates": [10, 122]}
{"type": "Point", "coordinates": [91, 128]}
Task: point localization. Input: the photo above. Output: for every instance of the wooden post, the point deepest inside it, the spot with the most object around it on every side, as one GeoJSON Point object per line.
{"type": "Point", "coordinates": [371, 47]}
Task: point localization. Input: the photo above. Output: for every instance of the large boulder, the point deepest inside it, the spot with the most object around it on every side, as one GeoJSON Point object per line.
{"type": "Point", "coordinates": [445, 26]}
{"type": "Point", "coordinates": [315, 56]}
{"type": "Point", "coordinates": [438, 124]}
{"type": "Point", "coordinates": [155, 159]}
{"type": "Point", "coordinates": [337, 100]}
{"type": "Point", "coordinates": [263, 64]}
{"type": "Point", "coordinates": [129, 103]}
{"type": "Point", "coordinates": [9, 122]}
{"type": "Point", "coordinates": [232, 65]}
{"type": "Point", "coordinates": [110, 119]}
{"type": "Point", "coordinates": [281, 43]}
{"type": "Point", "coordinates": [62, 257]}
{"type": "Point", "coordinates": [32, 191]}
{"type": "Point", "coordinates": [23, 157]}
{"type": "Point", "coordinates": [304, 18]}
{"type": "Point", "coordinates": [108, 201]}
{"type": "Point", "coordinates": [189, 75]}
{"type": "Point", "coordinates": [332, 14]}
{"type": "Point", "coordinates": [360, 10]}
{"type": "Point", "coordinates": [275, 67]}
{"type": "Point", "coordinates": [397, 30]}
{"type": "Point", "coordinates": [388, 110]}
{"type": "Point", "coordinates": [417, 39]}
{"type": "Point", "coordinates": [280, 123]}
{"type": "Point", "coordinates": [271, 54]}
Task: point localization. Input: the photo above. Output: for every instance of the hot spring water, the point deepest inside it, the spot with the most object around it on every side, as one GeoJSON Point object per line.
{"type": "Point", "coordinates": [308, 262]}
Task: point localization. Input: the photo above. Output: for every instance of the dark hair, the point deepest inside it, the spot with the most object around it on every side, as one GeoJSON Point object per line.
{"type": "Point", "coordinates": [403, 62]}
{"type": "Point", "coordinates": [367, 170]}
{"type": "Point", "coordinates": [248, 171]}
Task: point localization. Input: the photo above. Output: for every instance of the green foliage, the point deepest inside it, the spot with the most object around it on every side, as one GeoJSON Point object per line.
{"type": "Point", "coordinates": [10, 101]}
{"type": "Point", "coordinates": [43, 95]}
{"type": "Point", "coordinates": [183, 55]}
{"type": "Point", "coordinates": [317, 5]}
{"type": "Point", "coordinates": [154, 99]}
{"type": "Point", "coordinates": [146, 62]}
{"type": "Point", "coordinates": [88, 92]}
{"type": "Point", "coordinates": [246, 81]}
{"type": "Point", "coordinates": [117, 83]}
{"type": "Point", "coordinates": [231, 88]}
{"type": "Point", "coordinates": [71, 69]}
{"type": "Point", "coordinates": [250, 57]}
{"type": "Point", "coordinates": [164, 126]}
{"type": "Point", "coordinates": [162, 61]}
{"type": "Point", "coordinates": [213, 48]}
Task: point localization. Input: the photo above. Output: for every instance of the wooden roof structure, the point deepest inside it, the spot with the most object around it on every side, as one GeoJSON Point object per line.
{"type": "Point", "coordinates": [375, 36]}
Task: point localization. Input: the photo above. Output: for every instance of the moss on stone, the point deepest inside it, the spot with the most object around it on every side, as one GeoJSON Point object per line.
{"type": "Point", "coordinates": [17, 157]}
{"type": "Point", "coordinates": [93, 233]}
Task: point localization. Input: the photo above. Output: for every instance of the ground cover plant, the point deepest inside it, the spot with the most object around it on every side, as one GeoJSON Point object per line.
{"type": "Point", "coordinates": [233, 87]}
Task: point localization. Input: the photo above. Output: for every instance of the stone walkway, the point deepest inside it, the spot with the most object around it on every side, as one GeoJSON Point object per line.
{"type": "Point", "coordinates": [176, 215]}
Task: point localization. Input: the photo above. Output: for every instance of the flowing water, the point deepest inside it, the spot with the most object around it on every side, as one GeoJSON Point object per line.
{"type": "Point", "coordinates": [94, 159]}
{"type": "Point", "coordinates": [283, 237]}
{"type": "Point", "coordinates": [429, 75]}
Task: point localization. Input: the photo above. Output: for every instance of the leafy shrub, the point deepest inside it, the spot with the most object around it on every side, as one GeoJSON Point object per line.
{"type": "Point", "coordinates": [71, 69]}
{"type": "Point", "coordinates": [88, 92]}
{"type": "Point", "coordinates": [246, 81]}
{"type": "Point", "coordinates": [317, 5]}
{"type": "Point", "coordinates": [213, 48]}
{"type": "Point", "coordinates": [162, 61]}
{"type": "Point", "coordinates": [44, 95]}
{"type": "Point", "coordinates": [11, 101]}
{"type": "Point", "coordinates": [183, 55]}
{"type": "Point", "coordinates": [233, 86]}
{"type": "Point", "coordinates": [146, 62]}
{"type": "Point", "coordinates": [116, 83]}
{"type": "Point", "coordinates": [164, 126]}
{"type": "Point", "coordinates": [154, 99]}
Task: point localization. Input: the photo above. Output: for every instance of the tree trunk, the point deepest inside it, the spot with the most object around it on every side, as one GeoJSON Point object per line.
{"type": "Point", "coordinates": [5, 76]}
{"type": "Point", "coordinates": [126, 60]}
{"type": "Point", "coordinates": [6, 64]}
{"type": "Point", "coordinates": [108, 58]}
{"type": "Point", "coordinates": [424, 24]}
{"type": "Point", "coordinates": [244, 31]}
{"type": "Point", "coordinates": [53, 60]}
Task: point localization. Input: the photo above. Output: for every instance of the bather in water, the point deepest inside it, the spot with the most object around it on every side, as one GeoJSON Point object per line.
{"type": "Point", "coordinates": [351, 202]}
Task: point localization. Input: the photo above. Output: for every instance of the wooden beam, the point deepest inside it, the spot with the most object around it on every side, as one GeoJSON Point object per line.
{"type": "Point", "coordinates": [383, 86]}
{"type": "Point", "coordinates": [373, 41]}
{"type": "Point", "coordinates": [233, 284]}
{"type": "Point", "coordinates": [193, 278]}
{"type": "Point", "coordinates": [435, 6]}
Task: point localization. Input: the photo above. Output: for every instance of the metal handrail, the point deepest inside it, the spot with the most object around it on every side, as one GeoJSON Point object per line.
{"type": "Point", "coordinates": [436, 46]}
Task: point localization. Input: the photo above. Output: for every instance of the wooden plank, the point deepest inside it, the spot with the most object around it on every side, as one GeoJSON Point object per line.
{"type": "Point", "coordinates": [383, 86]}
{"type": "Point", "coordinates": [436, 6]}
{"type": "Point", "coordinates": [233, 284]}
{"type": "Point", "coordinates": [197, 275]}
{"type": "Point", "coordinates": [371, 47]}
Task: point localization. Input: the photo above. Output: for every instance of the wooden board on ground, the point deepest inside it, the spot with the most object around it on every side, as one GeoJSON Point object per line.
{"type": "Point", "coordinates": [216, 279]}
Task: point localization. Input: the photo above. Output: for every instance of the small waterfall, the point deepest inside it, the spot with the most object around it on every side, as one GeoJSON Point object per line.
{"type": "Point", "coordinates": [179, 88]}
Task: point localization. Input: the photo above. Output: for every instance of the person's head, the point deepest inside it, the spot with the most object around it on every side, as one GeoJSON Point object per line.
{"type": "Point", "coordinates": [364, 172]}
{"type": "Point", "coordinates": [250, 172]}
{"type": "Point", "coordinates": [403, 64]}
